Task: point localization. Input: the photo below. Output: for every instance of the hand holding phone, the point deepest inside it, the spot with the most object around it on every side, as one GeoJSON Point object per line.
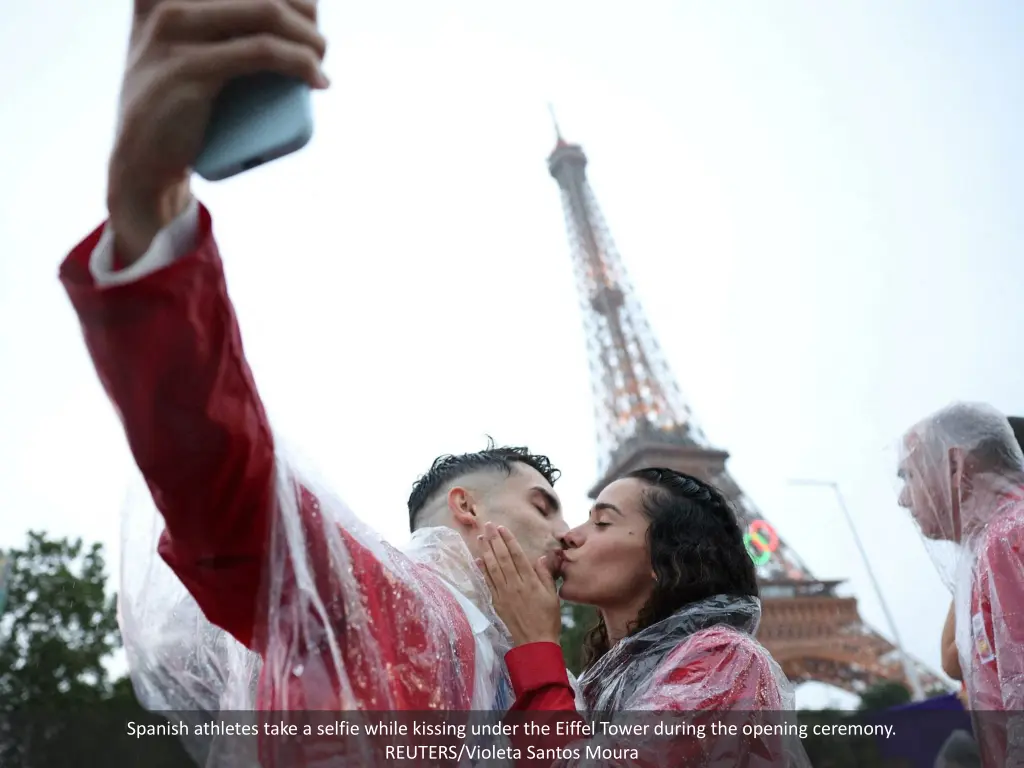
{"type": "Point", "coordinates": [181, 57]}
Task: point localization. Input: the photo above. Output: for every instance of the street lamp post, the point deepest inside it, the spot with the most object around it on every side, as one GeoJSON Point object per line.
{"type": "Point", "coordinates": [908, 667]}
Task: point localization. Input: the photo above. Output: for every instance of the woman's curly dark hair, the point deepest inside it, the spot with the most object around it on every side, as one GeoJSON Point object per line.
{"type": "Point", "coordinates": [696, 547]}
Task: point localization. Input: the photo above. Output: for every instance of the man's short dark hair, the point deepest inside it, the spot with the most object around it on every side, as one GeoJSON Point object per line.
{"type": "Point", "coordinates": [449, 468]}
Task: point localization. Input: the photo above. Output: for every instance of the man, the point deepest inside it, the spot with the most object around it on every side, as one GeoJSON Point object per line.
{"type": "Point", "coordinates": [332, 617]}
{"type": "Point", "coordinates": [963, 474]}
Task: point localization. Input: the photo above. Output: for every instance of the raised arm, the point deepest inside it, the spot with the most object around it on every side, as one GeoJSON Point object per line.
{"type": "Point", "coordinates": [167, 349]}
{"type": "Point", "coordinates": [289, 574]}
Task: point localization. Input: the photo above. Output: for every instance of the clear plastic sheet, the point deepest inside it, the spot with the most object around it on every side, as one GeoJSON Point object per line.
{"type": "Point", "coordinates": [348, 623]}
{"type": "Point", "coordinates": [178, 662]}
{"type": "Point", "coordinates": [963, 483]}
{"type": "Point", "coordinates": [702, 661]}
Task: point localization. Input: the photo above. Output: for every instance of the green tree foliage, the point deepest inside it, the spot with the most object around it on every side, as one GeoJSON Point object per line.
{"type": "Point", "coordinates": [59, 626]}
{"type": "Point", "coordinates": [59, 705]}
{"type": "Point", "coordinates": [577, 620]}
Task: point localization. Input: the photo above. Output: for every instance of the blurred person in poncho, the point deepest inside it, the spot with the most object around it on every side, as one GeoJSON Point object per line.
{"type": "Point", "coordinates": [963, 482]}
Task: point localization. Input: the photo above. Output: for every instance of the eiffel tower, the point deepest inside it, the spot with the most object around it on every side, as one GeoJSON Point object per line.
{"type": "Point", "coordinates": [643, 421]}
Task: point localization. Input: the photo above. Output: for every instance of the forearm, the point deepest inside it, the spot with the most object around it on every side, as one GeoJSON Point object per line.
{"type": "Point", "coordinates": [141, 211]}
{"type": "Point", "coordinates": [166, 346]}
{"type": "Point", "coordinates": [168, 351]}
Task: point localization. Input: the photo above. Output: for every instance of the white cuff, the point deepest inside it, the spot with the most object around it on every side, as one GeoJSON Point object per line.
{"type": "Point", "coordinates": [171, 243]}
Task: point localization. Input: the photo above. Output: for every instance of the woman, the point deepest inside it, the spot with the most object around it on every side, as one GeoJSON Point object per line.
{"type": "Point", "coordinates": [663, 560]}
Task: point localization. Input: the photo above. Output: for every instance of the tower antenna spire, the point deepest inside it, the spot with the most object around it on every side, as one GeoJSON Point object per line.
{"type": "Point", "coordinates": [558, 131]}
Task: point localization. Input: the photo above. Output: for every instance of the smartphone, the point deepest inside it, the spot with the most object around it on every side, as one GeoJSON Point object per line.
{"type": "Point", "coordinates": [255, 119]}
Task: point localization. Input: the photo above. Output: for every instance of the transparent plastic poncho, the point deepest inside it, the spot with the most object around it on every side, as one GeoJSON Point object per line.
{"type": "Point", "coordinates": [962, 474]}
{"type": "Point", "coordinates": [698, 667]}
{"type": "Point", "coordinates": [333, 638]}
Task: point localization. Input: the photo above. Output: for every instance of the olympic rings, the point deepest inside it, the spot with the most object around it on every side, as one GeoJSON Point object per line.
{"type": "Point", "coordinates": [764, 536]}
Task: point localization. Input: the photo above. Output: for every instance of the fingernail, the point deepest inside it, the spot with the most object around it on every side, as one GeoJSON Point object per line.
{"type": "Point", "coordinates": [322, 80]}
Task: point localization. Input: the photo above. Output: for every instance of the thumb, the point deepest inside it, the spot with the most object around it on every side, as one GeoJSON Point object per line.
{"type": "Point", "coordinates": [544, 573]}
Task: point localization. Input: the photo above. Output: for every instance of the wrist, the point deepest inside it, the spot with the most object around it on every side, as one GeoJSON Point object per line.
{"type": "Point", "coordinates": [137, 215]}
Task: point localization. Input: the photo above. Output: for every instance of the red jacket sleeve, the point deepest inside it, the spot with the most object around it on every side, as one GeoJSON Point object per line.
{"type": "Point", "coordinates": [539, 678]}
{"type": "Point", "coordinates": [715, 678]}
{"type": "Point", "coordinates": [545, 702]}
{"type": "Point", "coordinates": [168, 351]}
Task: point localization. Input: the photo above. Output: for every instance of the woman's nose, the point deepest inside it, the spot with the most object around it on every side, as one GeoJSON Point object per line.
{"type": "Point", "coordinates": [571, 539]}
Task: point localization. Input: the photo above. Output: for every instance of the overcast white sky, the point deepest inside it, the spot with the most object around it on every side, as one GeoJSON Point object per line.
{"type": "Point", "coordinates": [819, 205]}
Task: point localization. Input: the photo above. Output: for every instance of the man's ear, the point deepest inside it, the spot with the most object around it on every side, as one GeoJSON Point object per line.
{"type": "Point", "coordinates": [463, 507]}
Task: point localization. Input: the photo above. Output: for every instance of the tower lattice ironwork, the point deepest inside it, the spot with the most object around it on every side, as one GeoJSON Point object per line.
{"type": "Point", "coordinates": [643, 420]}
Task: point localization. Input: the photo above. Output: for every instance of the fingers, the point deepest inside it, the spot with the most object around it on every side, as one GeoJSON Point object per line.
{"type": "Point", "coordinates": [518, 558]}
{"type": "Point", "coordinates": [492, 570]}
{"type": "Point", "coordinates": [145, 8]}
{"type": "Point", "coordinates": [307, 8]}
{"type": "Point", "coordinates": [502, 554]}
{"type": "Point", "coordinates": [543, 571]}
{"type": "Point", "coordinates": [482, 565]}
{"type": "Point", "coordinates": [218, 40]}
{"type": "Point", "coordinates": [193, 21]}
{"type": "Point", "coordinates": [250, 55]}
